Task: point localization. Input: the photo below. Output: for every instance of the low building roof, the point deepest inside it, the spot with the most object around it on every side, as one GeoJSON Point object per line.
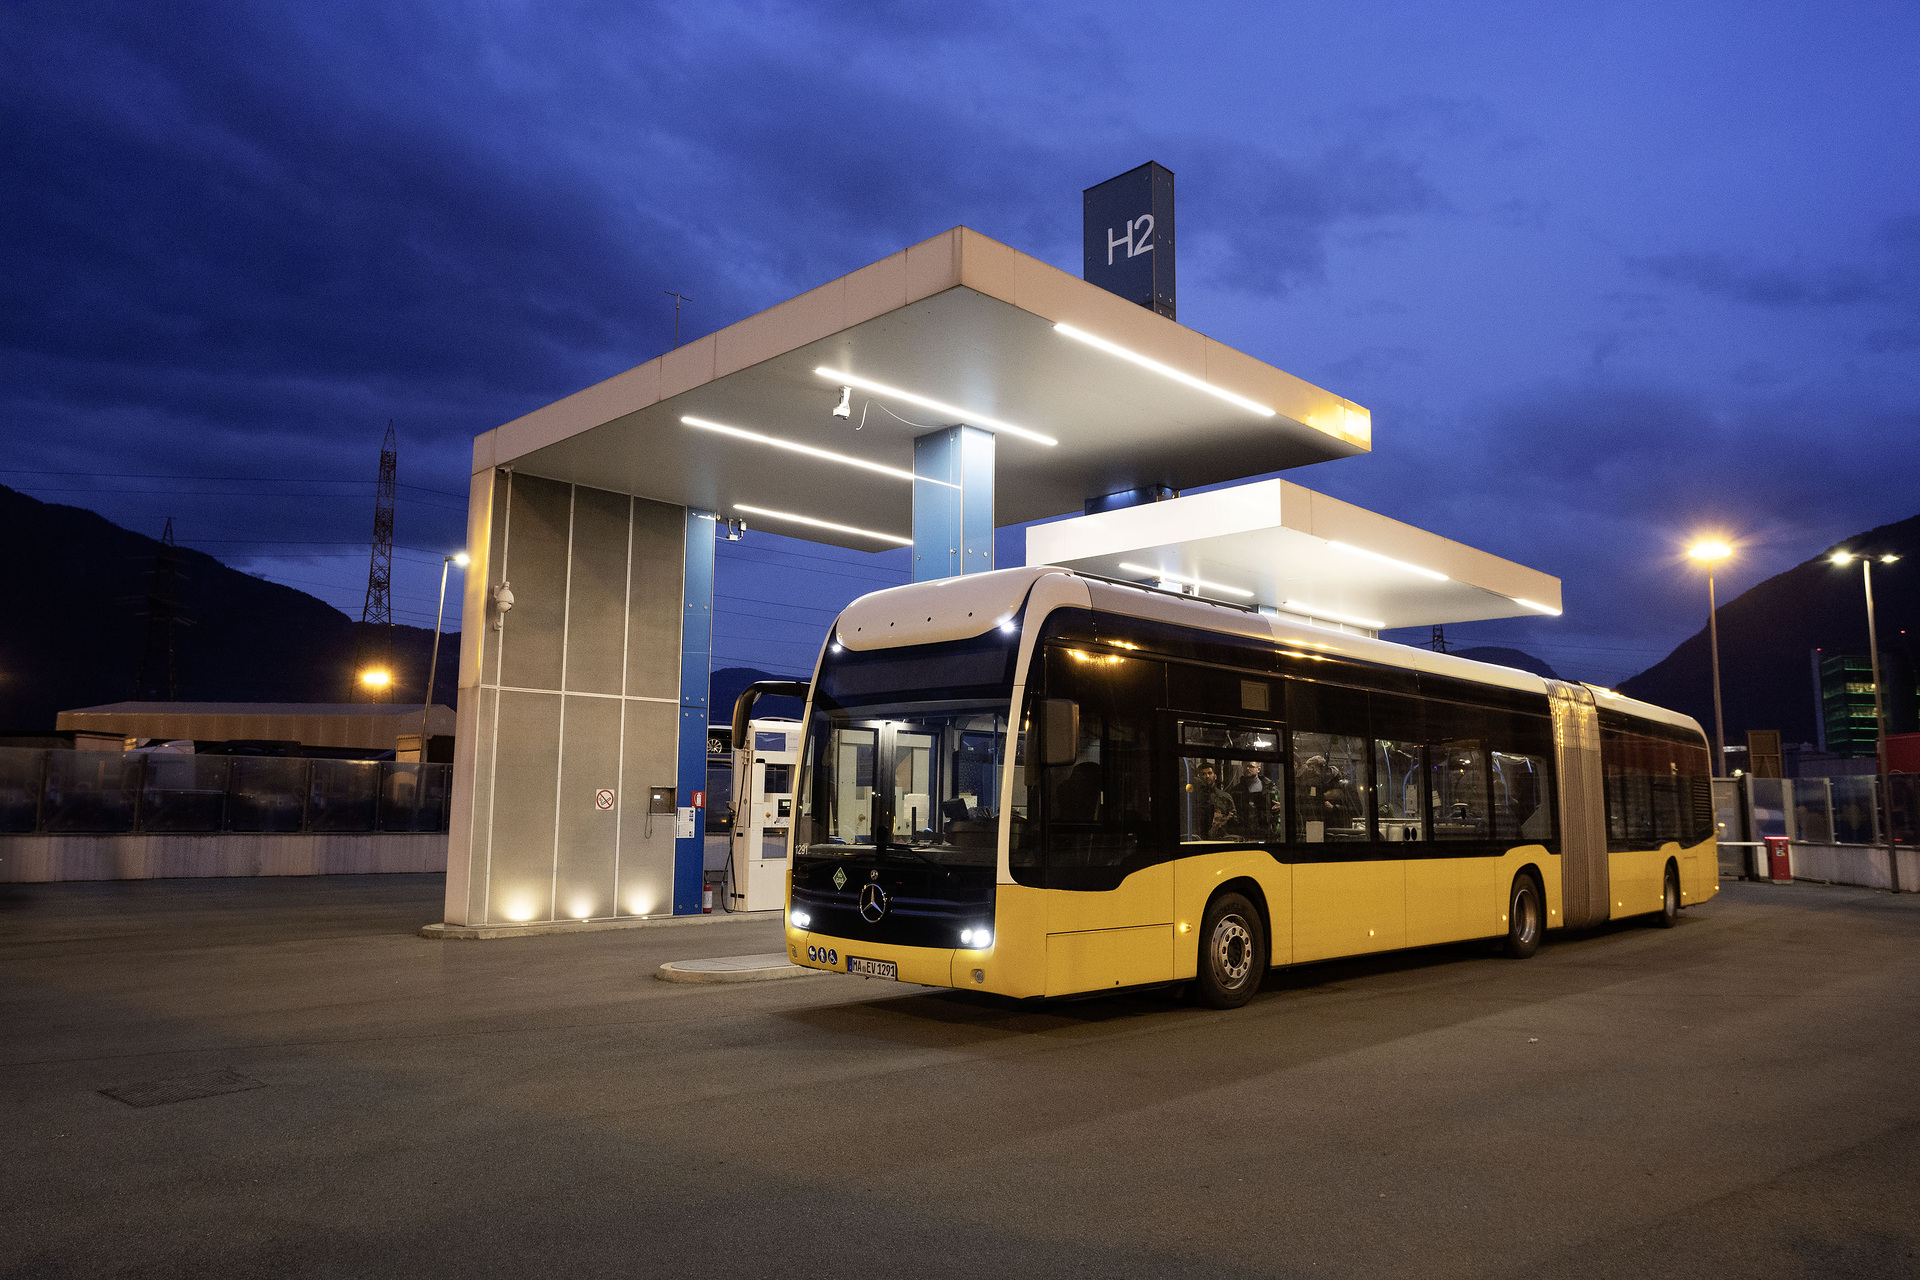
{"type": "Point", "coordinates": [361, 725]}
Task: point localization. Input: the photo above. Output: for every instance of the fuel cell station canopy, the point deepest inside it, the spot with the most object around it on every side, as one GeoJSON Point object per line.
{"type": "Point", "coordinates": [1276, 544]}
{"type": "Point", "coordinates": [960, 320]}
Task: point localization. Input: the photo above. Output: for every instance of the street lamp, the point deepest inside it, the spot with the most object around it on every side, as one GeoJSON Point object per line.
{"type": "Point", "coordinates": [1842, 559]}
{"type": "Point", "coordinates": [433, 665]}
{"type": "Point", "coordinates": [1710, 553]}
{"type": "Point", "coordinates": [376, 678]}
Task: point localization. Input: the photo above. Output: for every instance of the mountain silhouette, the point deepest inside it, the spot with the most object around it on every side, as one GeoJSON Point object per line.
{"type": "Point", "coordinates": [73, 631]}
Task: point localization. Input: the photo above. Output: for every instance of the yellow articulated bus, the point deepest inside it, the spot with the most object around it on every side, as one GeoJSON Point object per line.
{"type": "Point", "coordinates": [1040, 783]}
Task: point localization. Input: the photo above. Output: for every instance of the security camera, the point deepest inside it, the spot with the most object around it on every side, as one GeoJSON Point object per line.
{"type": "Point", "coordinates": [502, 604]}
{"type": "Point", "coordinates": [845, 408]}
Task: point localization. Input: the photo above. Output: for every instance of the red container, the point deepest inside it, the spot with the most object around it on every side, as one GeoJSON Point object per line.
{"type": "Point", "coordinates": [1779, 865]}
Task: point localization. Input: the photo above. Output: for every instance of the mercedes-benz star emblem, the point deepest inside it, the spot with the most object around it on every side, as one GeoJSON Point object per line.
{"type": "Point", "coordinates": [873, 903]}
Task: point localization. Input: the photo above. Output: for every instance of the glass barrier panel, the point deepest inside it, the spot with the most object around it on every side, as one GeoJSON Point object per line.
{"type": "Point", "coordinates": [267, 793]}
{"type": "Point", "coordinates": [413, 797]}
{"type": "Point", "coordinates": [346, 795]}
{"type": "Point", "coordinates": [1729, 814]}
{"type": "Point", "coordinates": [1854, 801]}
{"type": "Point", "coordinates": [1769, 806]}
{"type": "Point", "coordinates": [1903, 807]}
{"type": "Point", "coordinates": [184, 793]}
{"type": "Point", "coordinates": [23, 772]}
{"type": "Point", "coordinates": [91, 791]}
{"type": "Point", "coordinates": [1812, 811]}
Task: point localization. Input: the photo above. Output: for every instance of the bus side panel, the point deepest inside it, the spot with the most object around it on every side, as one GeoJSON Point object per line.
{"type": "Point", "coordinates": [1122, 937]}
{"type": "Point", "coordinates": [1194, 880]}
{"type": "Point", "coordinates": [1700, 873]}
{"type": "Point", "coordinates": [1102, 959]}
{"type": "Point", "coordinates": [1636, 875]}
{"type": "Point", "coordinates": [1447, 898]}
{"type": "Point", "coordinates": [1017, 964]}
{"type": "Point", "coordinates": [1348, 908]}
{"type": "Point", "coordinates": [1144, 897]}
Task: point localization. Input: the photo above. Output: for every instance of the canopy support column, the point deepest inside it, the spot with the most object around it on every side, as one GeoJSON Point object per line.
{"type": "Point", "coordinates": [696, 663]}
{"type": "Point", "coordinates": [952, 503]}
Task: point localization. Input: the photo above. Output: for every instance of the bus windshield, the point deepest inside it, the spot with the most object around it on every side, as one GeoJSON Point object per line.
{"type": "Point", "coordinates": [905, 750]}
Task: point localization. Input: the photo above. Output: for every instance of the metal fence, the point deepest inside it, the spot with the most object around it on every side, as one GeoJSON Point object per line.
{"type": "Point", "coordinates": [58, 792]}
{"type": "Point", "coordinates": [1844, 810]}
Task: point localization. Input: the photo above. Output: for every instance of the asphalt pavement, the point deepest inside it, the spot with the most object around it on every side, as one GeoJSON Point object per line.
{"type": "Point", "coordinates": [298, 1085]}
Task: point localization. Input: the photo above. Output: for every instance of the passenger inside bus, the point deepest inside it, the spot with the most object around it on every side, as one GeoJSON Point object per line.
{"type": "Point", "coordinates": [1328, 804]}
{"type": "Point", "coordinates": [1256, 802]}
{"type": "Point", "coordinates": [1210, 808]}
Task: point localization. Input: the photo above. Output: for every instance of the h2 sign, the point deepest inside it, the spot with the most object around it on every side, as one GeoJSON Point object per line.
{"type": "Point", "coordinates": [1128, 236]}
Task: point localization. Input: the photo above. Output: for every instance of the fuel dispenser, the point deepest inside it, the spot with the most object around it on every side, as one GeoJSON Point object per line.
{"type": "Point", "coordinates": [766, 765]}
{"type": "Point", "coordinates": [764, 768]}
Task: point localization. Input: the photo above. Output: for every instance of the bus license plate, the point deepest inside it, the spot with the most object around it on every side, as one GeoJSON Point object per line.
{"type": "Point", "coordinates": [873, 968]}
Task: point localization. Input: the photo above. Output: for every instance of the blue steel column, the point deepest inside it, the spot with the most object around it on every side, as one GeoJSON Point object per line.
{"type": "Point", "coordinates": [952, 503]}
{"type": "Point", "coordinates": [696, 662]}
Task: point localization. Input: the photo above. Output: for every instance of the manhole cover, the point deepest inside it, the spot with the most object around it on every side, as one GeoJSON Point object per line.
{"type": "Point", "coordinates": [157, 1093]}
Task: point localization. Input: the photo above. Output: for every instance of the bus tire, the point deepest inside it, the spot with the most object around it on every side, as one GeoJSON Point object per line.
{"type": "Point", "coordinates": [1233, 953]}
{"type": "Point", "coordinates": [1526, 917]}
{"type": "Point", "coordinates": [1669, 913]}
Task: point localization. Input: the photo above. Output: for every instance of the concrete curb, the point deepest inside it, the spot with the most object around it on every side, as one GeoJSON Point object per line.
{"type": "Point", "coordinates": [490, 932]}
{"type": "Point", "coordinates": [771, 967]}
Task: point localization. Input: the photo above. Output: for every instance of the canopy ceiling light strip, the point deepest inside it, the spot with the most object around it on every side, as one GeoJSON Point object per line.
{"type": "Point", "coordinates": [1164, 576]}
{"type": "Point", "coordinates": [1547, 609]}
{"type": "Point", "coordinates": [1315, 611]}
{"type": "Point", "coordinates": [937, 406]}
{"type": "Point", "coordinates": [1165, 371]}
{"type": "Point", "coordinates": [895, 539]}
{"type": "Point", "coordinates": [794, 447]}
{"type": "Point", "coordinates": [1401, 564]}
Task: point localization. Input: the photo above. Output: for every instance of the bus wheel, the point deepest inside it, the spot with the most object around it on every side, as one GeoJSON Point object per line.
{"type": "Point", "coordinates": [1524, 917]}
{"type": "Point", "coordinates": [1233, 953]}
{"type": "Point", "coordinates": [1669, 913]}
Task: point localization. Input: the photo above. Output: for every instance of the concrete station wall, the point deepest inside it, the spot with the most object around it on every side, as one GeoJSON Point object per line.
{"type": "Point", "coordinates": [1860, 864]}
{"type": "Point", "coordinates": [579, 691]}
{"type": "Point", "coordinates": [41, 859]}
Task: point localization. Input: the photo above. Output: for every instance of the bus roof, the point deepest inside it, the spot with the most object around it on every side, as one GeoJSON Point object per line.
{"type": "Point", "coordinates": [958, 608]}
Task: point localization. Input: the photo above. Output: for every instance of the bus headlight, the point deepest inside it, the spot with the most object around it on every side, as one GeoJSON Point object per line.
{"type": "Point", "coordinates": [800, 919]}
{"type": "Point", "coordinates": [977, 939]}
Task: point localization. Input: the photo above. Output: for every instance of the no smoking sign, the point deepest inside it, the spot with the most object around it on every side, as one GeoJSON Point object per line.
{"type": "Point", "coordinates": [603, 799]}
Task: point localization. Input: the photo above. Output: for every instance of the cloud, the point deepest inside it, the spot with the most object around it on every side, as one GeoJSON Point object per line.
{"type": "Point", "coordinates": [1720, 276]}
{"type": "Point", "coordinates": [1273, 217]}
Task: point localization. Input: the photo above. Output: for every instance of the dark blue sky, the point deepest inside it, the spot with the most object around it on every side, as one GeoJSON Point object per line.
{"type": "Point", "coordinates": [1606, 275]}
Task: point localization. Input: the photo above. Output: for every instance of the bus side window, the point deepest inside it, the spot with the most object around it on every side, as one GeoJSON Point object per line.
{"type": "Point", "coordinates": [1628, 764]}
{"type": "Point", "coordinates": [1522, 800]}
{"type": "Point", "coordinates": [1459, 790]}
{"type": "Point", "coordinates": [1329, 788]}
{"type": "Point", "coordinates": [1399, 791]}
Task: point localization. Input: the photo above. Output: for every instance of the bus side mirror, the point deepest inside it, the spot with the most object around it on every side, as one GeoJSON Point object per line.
{"type": "Point", "coordinates": [1059, 731]}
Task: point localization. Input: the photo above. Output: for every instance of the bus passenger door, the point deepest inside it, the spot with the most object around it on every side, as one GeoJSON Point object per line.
{"type": "Point", "coordinates": [1110, 893]}
{"type": "Point", "coordinates": [1348, 898]}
